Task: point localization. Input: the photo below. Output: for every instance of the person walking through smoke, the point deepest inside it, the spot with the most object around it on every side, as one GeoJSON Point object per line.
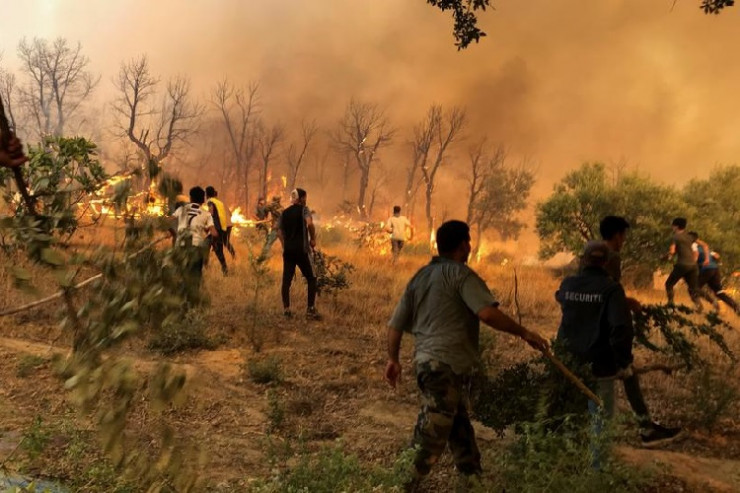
{"type": "Point", "coordinates": [298, 236]}
{"type": "Point", "coordinates": [398, 226]}
{"type": "Point", "coordinates": [275, 210]}
{"type": "Point", "coordinates": [613, 230]}
{"type": "Point", "coordinates": [442, 306]}
{"type": "Point", "coordinates": [220, 223]}
{"type": "Point", "coordinates": [194, 228]}
{"type": "Point", "coordinates": [709, 275]}
{"type": "Point", "coordinates": [686, 268]}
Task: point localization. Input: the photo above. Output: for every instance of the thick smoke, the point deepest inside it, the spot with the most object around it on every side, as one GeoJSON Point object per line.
{"type": "Point", "coordinates": [648, 83]}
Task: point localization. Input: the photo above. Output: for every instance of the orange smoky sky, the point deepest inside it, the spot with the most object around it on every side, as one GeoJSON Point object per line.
{"type": "Point", "coordinates": [651, 84]}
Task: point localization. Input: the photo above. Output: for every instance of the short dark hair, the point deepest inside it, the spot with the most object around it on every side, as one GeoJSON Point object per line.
{"type": "Point", "coordinates": [451, 235]}
{"type": "Point", "coordinates": [679, 222]}
{"type": "Point", "coordinates": [301, 193]}
{"type": "Point", "coordinates": [211, 192]}
{"type": "Point", "coordinates": [611, 226]}
{"type": "Point", "coordinates": [396, 209]}
{"type": "Point", "coordinates": [197, 195]}
{"type": "Point", "coordinates": [694, 235]}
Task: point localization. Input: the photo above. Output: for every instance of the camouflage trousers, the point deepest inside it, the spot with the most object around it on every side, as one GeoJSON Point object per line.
{"type": "Point", "coordinates": [444, 419]}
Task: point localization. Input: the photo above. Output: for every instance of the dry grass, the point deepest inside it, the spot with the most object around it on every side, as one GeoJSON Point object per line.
{"type": "Point", "coordinates": [331, 385]}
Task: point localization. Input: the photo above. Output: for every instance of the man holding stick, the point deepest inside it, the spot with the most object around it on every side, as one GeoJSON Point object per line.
{"type": "Point", "coordinates": [442, 307]}
{"type": "Point", "coordinates": [596, 327]}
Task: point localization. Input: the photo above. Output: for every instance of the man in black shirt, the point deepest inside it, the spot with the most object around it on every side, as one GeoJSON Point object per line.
{"type": "Point", "coordinates": [298, 236]}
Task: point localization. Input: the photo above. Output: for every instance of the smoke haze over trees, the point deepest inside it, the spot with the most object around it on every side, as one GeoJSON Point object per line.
{"type": "Point", "coordinates": [558, 84]}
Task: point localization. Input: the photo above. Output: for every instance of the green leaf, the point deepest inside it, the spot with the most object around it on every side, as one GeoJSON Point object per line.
{"type": "Point", "coordinates": [52, 257]}
{"type": "Point", "coordinates": [20, 274]}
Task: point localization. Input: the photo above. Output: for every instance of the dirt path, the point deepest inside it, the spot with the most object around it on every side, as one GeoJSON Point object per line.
{"type": "Point", "coordinates": [701, 473]}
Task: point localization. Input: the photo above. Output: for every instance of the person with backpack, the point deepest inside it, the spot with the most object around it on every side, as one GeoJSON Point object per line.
{"type": "Point", "coordinates": [709, 275]}
{"type": "Point", "coordinates": [194, 230]}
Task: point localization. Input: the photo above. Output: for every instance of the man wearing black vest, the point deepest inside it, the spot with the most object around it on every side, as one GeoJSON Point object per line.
{"type": "Point", "coordinates": [298, 236]}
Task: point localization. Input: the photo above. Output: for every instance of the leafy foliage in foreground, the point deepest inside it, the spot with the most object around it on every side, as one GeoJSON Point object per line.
{"type": "Point", "coordinates": [535, 389]}
{"type": "Point", "coordinates": [138, 288]}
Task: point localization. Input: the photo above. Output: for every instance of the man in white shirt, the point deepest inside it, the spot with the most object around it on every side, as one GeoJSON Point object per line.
{"type": "Point", "coordinates": [194, 229]}
{"type": "Point", "coordinates": [400, 228]}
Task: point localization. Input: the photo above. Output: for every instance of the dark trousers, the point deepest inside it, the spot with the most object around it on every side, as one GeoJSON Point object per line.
{"type": "Point", "coordinates": [217, 243]}
{"type": "Point", "coordinates": [690, 274]}
{"type": "Point", "coordinates": [713, 279]}
{"type": "Point", "coordinates": [637, 401]}
{"type": "Point", "coordinates": [396, 246]}
{"type": "Point", "coordinates": [302, 260]}
{"type": "Point", "coordinates": [444, 419]}
{"type": "Point", "coordinates": [227, 241]}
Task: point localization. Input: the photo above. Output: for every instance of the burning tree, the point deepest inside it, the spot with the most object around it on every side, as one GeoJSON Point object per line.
{"type": "Point", "coordinates": [57, 83]}
{"type": "Point", "coordinates": [362, 132]}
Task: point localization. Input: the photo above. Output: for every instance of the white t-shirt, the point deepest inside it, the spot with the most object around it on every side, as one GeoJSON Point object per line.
{"type": "Point", "coordinates": [195, 219]}
{"type": "Point", "coordinates": [398, 226]}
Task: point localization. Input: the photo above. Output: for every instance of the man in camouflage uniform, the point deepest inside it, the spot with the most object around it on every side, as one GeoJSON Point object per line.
{"type": "Point", "coordinates": [442, 307]}
{"type": "Point", "coordinates": [275, 210]}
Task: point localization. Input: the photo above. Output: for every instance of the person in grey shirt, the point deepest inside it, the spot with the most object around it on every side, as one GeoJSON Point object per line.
{"type": "Point", "coordinates": [442, 307]}
{"type": "Point", "coordinates": [686, 267]}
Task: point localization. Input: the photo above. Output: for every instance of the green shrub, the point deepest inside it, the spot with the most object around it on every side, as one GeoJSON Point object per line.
{"type": "Point", "coordinates": [183, 334]}
{"type": "Point", "coordinates": [275, 411]}
{"type": "Point", "coordinates": [264, 371]}
{"type": "Point", "coordinates": [331, 469]}
{"type": "Point", "coordinates": [543, 459]}
{"type": "Point", "coordinates": [28, 364]}
{"type": "Point", "coordinates": [711, 398]}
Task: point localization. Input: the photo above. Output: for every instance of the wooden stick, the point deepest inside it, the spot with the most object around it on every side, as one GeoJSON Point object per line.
{"type": "Point", "coordinates": [572, 377]}
{"type": "Point", "coordinates": [555, 361]}
{"type": "Point", "coordinates": [79, 285]}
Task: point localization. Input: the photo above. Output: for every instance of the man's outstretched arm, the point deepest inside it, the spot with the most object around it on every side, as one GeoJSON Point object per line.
{"type": "Point", "coordinates": [502, 322]}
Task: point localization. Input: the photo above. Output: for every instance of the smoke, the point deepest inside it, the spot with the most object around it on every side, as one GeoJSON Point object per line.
{"type": "Point", "coordinates": [556, 82]}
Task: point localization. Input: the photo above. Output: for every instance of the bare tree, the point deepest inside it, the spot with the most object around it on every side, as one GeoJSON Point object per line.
{"type": "Point", "coordinates": [362, 132]}
{"type": "Point", "coordinates": [239, 108]}
{"type": "Point", "coordinates": [432, 140]}
{"type": "Point", "coordinates": [156, 128]}
{"type": "Point", "coordinates": [297, 152]}
{"type": "Point", "coordinates": [8, 93]}
{"type": "Point", "coordinates": [420, 146]}
{"type": "Point", "coordinates": [57, 83]}
{"type": "Point", "coordinates": [268, 139]}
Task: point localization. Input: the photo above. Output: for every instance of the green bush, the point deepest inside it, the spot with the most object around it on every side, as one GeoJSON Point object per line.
{"type": "Point", "coordinates": [183, 334]}
{"type": "Point", "coordinates": [331, 469]}
{"type": "Point", "coordinates": [265, 370]}
{"type": "Point", "coordinates": [28, 364]}
{"type": "Point", "coordinates": [543, 460]}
